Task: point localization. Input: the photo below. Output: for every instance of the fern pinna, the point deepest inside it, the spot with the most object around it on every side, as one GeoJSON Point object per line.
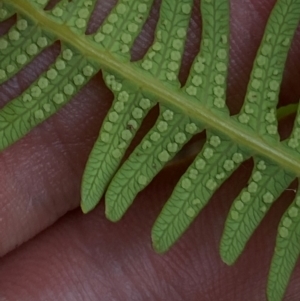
{"type": "Point", "coordinates": [198, 105]}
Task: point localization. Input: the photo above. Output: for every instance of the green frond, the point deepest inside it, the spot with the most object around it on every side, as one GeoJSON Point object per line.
{"type": "Point", "coordinates": [259, 109]}
{"type": "Point", "coordinates": [159, 146]}
{"type": "Point", "coordinates": [215, 163]}
{"type": "Point", "coordinates": [208, 77]}
{"type": "Point", "coordinates": [61, 12]}
{"type": "Point", "coordinates": [119, 127]}
{"type": "Point", "coordinates": [268, 180]}
{"type": "Point", "coordinates": [120, 29]}
{"type": "Point", "coordinates": [266, 184]}
{"type": "Point", "coordinates": [287, 249]}
{"type": "Point", "coordinates": [80, 14]}
{"type": "Point", "coordinates": [183, 112]}
{"type": "Point", "coordinates": [74, 15]}
{"type": "Point", "coordinates": [163, 58]}
{"type": "Point", "coordinates": [45, 96]}
{"type": "Point", "coordinates": [286, 252]}
{"type": "Point", "coordinates": [20, 46]}
{"type": "Point", "coordinates": [162, 61]}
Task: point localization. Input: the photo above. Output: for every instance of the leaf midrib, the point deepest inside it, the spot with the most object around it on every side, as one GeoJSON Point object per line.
{"type": "Point", "coordinates": [226, 126]}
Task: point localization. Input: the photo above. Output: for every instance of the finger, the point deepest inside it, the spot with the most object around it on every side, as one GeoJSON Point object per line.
{"type": "Point", "coordinates": [89, 258]}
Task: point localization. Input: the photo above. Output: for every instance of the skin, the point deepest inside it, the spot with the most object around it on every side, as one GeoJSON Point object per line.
{"type": "Point", "coordinates": [51, 251]}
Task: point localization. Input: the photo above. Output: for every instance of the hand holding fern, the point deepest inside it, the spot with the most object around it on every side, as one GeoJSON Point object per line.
{"type": "Point", "coordinates": [71, 140]}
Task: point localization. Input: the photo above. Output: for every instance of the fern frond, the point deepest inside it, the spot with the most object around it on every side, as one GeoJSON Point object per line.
{"type": "Point", "coordinates": [158, 61]}
{"type": "Point", "coordinates": [121, 27]}
{"type": "Point", "coordinates": [115, 135]}
{"type": "Point", "coordinates": [183, 112]}
{"type": "Point", "coordinates": [73, 15]}
{"type": "Point", "coordinates": [286, 252]}
{"type": "Point", "coordinates": [159, 146]}
{"type": "Point", "coordinates": [20, 46]}
{"type": "Point", "coordinates": [164, 62]}
{"type": "Point", "coordinates": [174, 132]}
{"type": "Point", "coordinates": [268, 181]}
{"type": "Point", "coordinates": [287, 248]}
{"type": "Point", "coordinates": [216, 162]}
{"type": "Point", "coordinates": [45, 96]}
{"type": "Point", "coordinates": [251, 206]}
{"type": "Point", "coordinates": [259, 107]}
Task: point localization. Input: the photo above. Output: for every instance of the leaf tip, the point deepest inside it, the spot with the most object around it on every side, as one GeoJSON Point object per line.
{"type": "Point", "coordinates": [270, 296]}
{"type": "Point", "coordinates": [227, 259]}
{"type": "Point", "coordinates": [85, 208]}
{"type": "Point", "coordinates": [157, 248]}
{"type": "Point", "coordinates": [111, 215]}
{"type": "Point", "coordinates": [157, 245]}
{"type": "Point", "coordinates": [87, 204]}
{"type": "Point", "coordinates": [112, 212]}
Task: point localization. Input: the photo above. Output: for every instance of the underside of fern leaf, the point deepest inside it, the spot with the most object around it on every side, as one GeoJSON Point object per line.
{"type": "Point", "coordinates": [184, 111]}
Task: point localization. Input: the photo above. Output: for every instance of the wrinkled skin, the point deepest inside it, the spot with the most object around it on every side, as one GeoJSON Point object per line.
{"type": "Point", "coordinates": [51, 251]}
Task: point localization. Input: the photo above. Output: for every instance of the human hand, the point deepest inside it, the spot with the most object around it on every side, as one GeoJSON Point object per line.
{"type": "Point", "coordinates": [71, 256]}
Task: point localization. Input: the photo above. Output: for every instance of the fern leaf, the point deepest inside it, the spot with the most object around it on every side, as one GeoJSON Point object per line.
{"type": "Point", "coordinates": [112, 37]}
{"type": "Point", "coordinates": [211, 66]}
{"type": "Point", "coordinates": [164, 56]}
{"type": "Point", "coordinates": [80, 15]}
{"type": "Point", "coordinates": [157, 148]}
{"type": "Point", "coordinates": [287, 248]}
{"type": "Point", "coordinates": [113, 140]}
{"type": "Point", "coordinates": [73, 15]}
{"type": "Point", "coordinates": [20, 46]}
{"type": "Point", "coordinates": [286, 252]}
{"type": "Point", "coordinates": [258, 111]}
{"type": "Point", "coordinates": [157, 61]}
{"type": "Point", "coordinates": [205, 71]}
{"type": "Point", "coordinates": [164, 62]}
{"type": "Point", "coordinates": [44, 97]}
{"type": "Point", "coordinates": [61, 12]}
{"type": "Point", "coordinates": [115, 136]}
{"type": "Point", "coordinates": [251, 206]}
{"type": "Point", "coordinates": [183, 111]}
{"type": "Point", "coordinates": [207, 80]}
{"type": "Point", "coordinates": [268, 181]}
{"type": "Point", "coordinates": [216, 162]}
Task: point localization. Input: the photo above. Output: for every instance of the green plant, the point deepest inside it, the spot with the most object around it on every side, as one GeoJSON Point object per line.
{"type": "Point", "coordinates": [184, 111]}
